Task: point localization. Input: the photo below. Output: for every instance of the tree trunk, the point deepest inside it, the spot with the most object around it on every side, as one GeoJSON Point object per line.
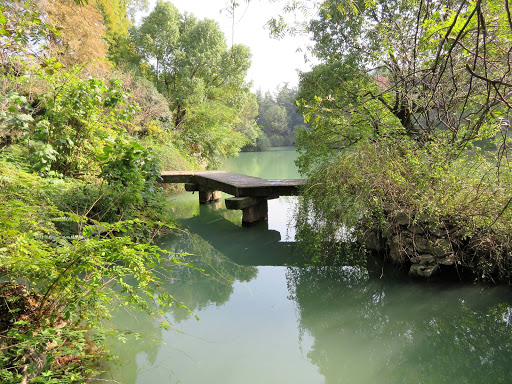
{"type": "Point", "coordinates": [180, 116]}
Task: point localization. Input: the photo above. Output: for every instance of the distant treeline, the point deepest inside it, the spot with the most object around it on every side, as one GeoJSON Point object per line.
{"type": "Point", "coordinates": [278, 119]}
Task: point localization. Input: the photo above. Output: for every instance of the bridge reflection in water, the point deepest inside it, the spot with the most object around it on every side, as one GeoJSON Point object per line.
{"type": "Point", "coordinates": [239, 244]}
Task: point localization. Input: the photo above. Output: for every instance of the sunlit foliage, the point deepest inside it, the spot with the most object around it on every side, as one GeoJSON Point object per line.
{"type": "Point", "coordinates": [409, 113]}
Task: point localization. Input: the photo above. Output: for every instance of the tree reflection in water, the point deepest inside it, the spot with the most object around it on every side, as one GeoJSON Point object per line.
{"type": "Point", "coordinates": [210, 280]}
{"type": "Point", "coordinates": [368, 330]}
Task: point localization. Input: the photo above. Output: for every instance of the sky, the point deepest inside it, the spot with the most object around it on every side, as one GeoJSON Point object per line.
{"type": "Point", "coordinates": [274, 62]}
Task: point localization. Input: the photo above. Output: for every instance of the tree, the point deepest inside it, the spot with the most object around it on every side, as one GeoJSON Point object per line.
{"type": "Point", "coordinates": [418, 57]}
{"type": "Point", "coordinates": [247, 119]}
{"type": "Point", "coordinates": [278, 117]}
{"type": "Point", "coordinates": [189, 59]}
{"type": "Point", "coordinates": [405, 97]}
{"type": "Point", "coordinates": [286, 98]}
{"type": "Point", "coordinates": [431, 72]}
{"type": "Point", "coordinates": [117, 18]}
{"type": "Point", "coordinates": [80, 33]}
{"type": "Point", "coordinates": [202, 80]}
{"type": "Point", "coordinates": [157, 36]}
{"type": "Point", "coordinates": [275, 120]}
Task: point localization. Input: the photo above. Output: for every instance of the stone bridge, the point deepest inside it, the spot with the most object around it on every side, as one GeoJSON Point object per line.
{"type": "Point", "coordinates": [250, 193]}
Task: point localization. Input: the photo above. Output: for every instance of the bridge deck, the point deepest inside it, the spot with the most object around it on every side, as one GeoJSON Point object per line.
{"type": "Point", "coordinates": [235, 184]}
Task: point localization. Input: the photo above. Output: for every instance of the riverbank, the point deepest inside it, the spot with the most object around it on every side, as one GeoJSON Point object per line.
{"type": "Point", "coordinates": [421, 211]}
{"type": "Point", "coordinates": [427, 248]}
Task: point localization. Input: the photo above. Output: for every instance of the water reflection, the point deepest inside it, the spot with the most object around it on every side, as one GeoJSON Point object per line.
{"type": "Point", "coordinates": [263, 320]}
{"type": "Point", "coordinates": [210, 280]}
{"type": "Point", "coordinates": [368, 330]}
{"type": "Point", "coordinates": [256, 245]}
{"type": "Point", "coordinates": [276, 164]}
{"type": "Point", "coordinates": [321, 325]}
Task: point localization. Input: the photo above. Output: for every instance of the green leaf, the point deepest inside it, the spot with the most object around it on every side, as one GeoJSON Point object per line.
{"type": "Point", "coordinates": [24, 117]}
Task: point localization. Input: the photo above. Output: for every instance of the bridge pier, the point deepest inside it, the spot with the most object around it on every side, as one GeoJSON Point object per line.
{"type": "Point", "coordinates": [254, 209]}
{"type": "Point", "coordinates": [206, 195]}
{"type": "Point", "coordinates": [255, 213]}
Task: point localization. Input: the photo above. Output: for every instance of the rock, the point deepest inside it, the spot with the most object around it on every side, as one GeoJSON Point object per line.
{"type": "Point", "coordinates": [424, 259]}
{"type": "Point", "coordinates": [448, 260]}
{"type": "Point", "coordinates": [425, 241]}
{"type": "Point", "coordinates": [438, 251]}
{"type": "Point", "coordinates": [398, 249]}
{"type": "Point", "coordinates": [415, 260]}
{"type": "Point", "coordinates": [373, 241]}
{"type": "Point", "coordinates": [388, 231]}
{"type": "Point", "coordinates": [387, 208]}
{"type": "Point", "coordinates": [402, 218]}
{"type": "Point", "coordinates": [457, 232]}
{"type": "Point", "coordinates": [394, 253]}
{"type": "Point", "coordinates": [439, 231]}
{"type": "Point", "coordinates": [407, 239]}
{"type": "Point", "coordinates": [443, 243]}
{"type": "Point", "coordinates": [427, 259]}
{"type": "Point", "coordinates": [423, 270]}
{"type": "Point", "coordinates": [422, 244]}
{"type": "Point", "coordinates": [416, 229]}
{"type": "Point", "coordinates": [442, 247]}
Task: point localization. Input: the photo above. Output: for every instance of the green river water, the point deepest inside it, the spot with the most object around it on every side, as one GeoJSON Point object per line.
{"type": "Point", "coordinates": [261, 320]}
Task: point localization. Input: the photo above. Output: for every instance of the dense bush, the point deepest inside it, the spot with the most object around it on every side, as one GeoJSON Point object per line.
{"type": "Point", "coordinates": [380, 181]}
{"type": "Point", "coordinates": [80, 206]}
{"type": "Point", "coordinates": [75, 233]}
{"type": "Point", "coordinates": [74, 271]}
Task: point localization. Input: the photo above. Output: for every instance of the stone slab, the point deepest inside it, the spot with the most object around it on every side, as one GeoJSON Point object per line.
{"type": "Point", "coordinates": [242, 202]}
{"type": "Point", "coordinates": [235, 184]}
{"type": "Point", "coordinates": [190, 187]}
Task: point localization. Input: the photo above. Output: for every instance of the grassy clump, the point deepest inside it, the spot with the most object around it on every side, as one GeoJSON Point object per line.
{"type": "Point", "coordinates": [368, 186]}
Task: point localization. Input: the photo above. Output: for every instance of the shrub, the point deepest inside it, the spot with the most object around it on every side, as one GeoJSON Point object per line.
{"type": "Point", "coordinates": [70, 281]}
{"type": "Point", "coordinates": [381, 180]}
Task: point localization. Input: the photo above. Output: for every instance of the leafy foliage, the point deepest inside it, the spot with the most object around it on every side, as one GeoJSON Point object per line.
{"type": "Point", "coordinates": [204, 81]}
{"type": "Point", "coordinates": [79, 116]}
{"type": "Point", "coordinates": [73, 279]}
{"type": "Point", "coordinates": [127, 164]}
{"type": "Point", "coordinates": [20, 25]}
{"type": "Point", "coordinates": [278, 119]}
{"type": "Point", "coordinates": [79, 31]}
{"type": "Point", "coordinates": [405, 99]}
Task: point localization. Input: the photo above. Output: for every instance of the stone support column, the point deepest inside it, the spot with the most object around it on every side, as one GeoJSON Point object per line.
{"type": "Point", "coordinates": [255, 213]}
{"type": "Point", "coordinates": [208, 196]}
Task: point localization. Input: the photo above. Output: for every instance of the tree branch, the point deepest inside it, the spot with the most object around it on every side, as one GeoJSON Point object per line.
{"type": "Point", "coordinates": [492, 82]}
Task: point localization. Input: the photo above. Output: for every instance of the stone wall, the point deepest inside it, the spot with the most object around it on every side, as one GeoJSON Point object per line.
{"type": "Point", "coordinates": [421, 242]}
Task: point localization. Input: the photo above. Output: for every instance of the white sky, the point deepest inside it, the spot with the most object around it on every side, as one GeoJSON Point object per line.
{"type": "Point", "coordinates": [274, 62]}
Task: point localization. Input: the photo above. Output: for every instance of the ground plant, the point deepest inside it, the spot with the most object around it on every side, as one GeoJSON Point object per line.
{"type": "Point", "coordinates": [81, 203]}
{"type": "Point", "coordinates": [410, 115]}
